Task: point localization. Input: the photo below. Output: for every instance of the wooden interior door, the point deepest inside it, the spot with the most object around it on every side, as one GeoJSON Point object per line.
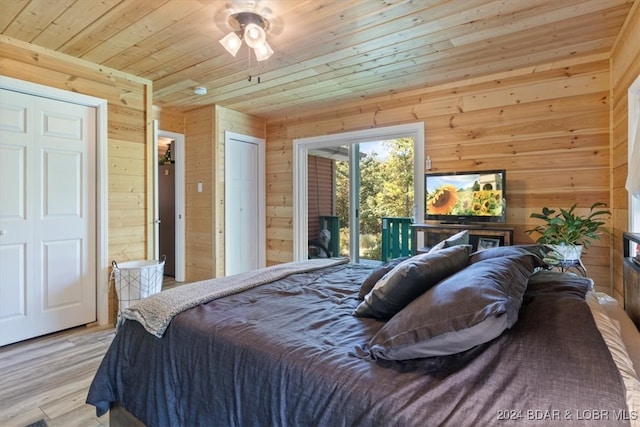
{"type": "Point", "coordinates": [47, 216]}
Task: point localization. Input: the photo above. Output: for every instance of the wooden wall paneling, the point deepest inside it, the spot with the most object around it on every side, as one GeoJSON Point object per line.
{"type": "Point", "coordinates": [437, 99]}
{"type": "Point", "coordinates": [169, 119]}
{"type": "Point", "coordinates": [81, 76]}
{"type": "Point", "coordinates": [127, 192]}
{"type": "Point", "coordinates": [625, 68]}
{"type": "Point", "coordinates": [387, 113]}
{"type": "Point", "coordinates": [199, 212]}
{"type": "Point", "coordinates": [278, 250]}
{"type": "Point", "coordinates": [129, 184]}
{"type": "Point", "coordinates": [277, 190]}
{"type": "Point", "coordinates": [547, 125]}
{"type": "Point", "coordinates": [281, 228]}
{"type": "Point", "coordinates": [279, 184]}
{"type": "Point", "coordinates": [113, 93]}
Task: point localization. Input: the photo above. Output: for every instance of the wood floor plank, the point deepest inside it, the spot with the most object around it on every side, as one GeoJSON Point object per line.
{"type": "Point", "coordinates": [48, 378]}
{"type": "Point", "coordinates": [24, 418]}
{"type": "Point", "coordinates": [49, 374]}
{"type": "Point", "coordinates": [82, 416]}
{"type": "Point", "coordinates": [65, 404]}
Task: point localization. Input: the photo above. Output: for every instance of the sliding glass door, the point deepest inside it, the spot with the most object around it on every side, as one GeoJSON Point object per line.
{"type": "Point", "coordinates": [351, 181]}
{"type": "Point", "coordinates": [358, 185]}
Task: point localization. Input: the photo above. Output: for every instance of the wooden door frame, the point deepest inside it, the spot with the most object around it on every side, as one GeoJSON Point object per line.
{"type": "Point", "coordinates": [101, 208]}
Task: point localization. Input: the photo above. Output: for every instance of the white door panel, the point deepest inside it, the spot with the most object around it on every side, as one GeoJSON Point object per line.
{"type": "Point", "coordinates": [62, 278]}
{"type": "Point", "coordinates": [12, 182]}
{"type": "Point", "coordinates": [13, 117]}
{"type": "Point", "coordinates": [243, 201]}
{"type": "Point", "coordinates": [241, 196]}
{"type": "Point", "coordinates": [13, 279]}
{"type": "Point", "coordinates": [16, 208]}
{"type": "Point", "coordinates": [48, 239]}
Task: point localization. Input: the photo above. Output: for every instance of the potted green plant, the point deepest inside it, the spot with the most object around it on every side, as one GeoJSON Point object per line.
{"type": "Point", "coordinates": [567, 232]}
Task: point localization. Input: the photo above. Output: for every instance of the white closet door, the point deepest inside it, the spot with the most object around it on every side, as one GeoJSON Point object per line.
{"type": "Point", "coordinates": [47, 216]}
{"type": "Point", "coordinates": [241, 207]}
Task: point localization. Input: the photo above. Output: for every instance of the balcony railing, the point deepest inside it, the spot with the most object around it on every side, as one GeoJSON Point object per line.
{"type": "Point", "coordinates": [397, 237]}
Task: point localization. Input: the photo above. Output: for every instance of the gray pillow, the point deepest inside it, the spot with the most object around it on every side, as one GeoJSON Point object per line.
{"type": "Point", "coordinates": [378, 274]}
{"type": "Point", "coordinates": [409, 279]}
{"type": "Point", "coordinates": [460, 238]}
{"type": "Point", "coordinates": [537, 251]}
{"type": "Point", "coordinates": [467, 309]}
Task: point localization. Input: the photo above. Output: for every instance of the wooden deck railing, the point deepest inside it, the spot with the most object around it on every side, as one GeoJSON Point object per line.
{"type": "Point", "coordinates": [397, 237]}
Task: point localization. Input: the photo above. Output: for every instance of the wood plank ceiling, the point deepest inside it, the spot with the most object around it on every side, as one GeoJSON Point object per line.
{"type": "Point", "coordinates": [327, 52]}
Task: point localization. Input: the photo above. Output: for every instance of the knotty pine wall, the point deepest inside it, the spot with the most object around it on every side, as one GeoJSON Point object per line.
{"type": "Point", "coordinates": [169, 119]}
{"type": "Point", "coordinates": [129, 101]}
{"type": "Point", "coordinates": [625, 68]}
{"type": "Point", "coordinates": [199, 209]}
{"type": "Point", "coordinates": [548, 126]}
{"type": "Point", "coordinates": [204, 129]}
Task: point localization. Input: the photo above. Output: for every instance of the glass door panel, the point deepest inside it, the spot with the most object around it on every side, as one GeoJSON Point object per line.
{"type": "Point", "coordinates": [357, 185]}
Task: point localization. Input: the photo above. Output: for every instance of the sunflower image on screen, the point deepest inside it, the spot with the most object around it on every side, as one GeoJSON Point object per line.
{"type": "Point", "coordinates": [465, 196]}
{"type": "Point", "coordinates": [443, 200]}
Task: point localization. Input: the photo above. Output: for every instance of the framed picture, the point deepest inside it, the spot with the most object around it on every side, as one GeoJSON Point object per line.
{"type": "Point", "coordinates": [484, 243]}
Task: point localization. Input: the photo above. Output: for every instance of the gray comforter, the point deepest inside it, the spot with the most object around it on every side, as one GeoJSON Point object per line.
{"type": "Point", "coordinates": [280, 354]}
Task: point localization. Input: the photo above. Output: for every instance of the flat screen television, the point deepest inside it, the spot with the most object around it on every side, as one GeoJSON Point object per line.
{"type": "Point", "coordinates": [466, 197]}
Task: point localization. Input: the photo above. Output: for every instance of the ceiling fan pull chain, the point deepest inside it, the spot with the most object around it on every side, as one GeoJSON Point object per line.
{"type": "Point", "coordinates": [249, 63]}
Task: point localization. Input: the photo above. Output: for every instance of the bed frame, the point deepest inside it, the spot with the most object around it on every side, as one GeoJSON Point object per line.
{"type": "Point", "coordinates": [120, 417]}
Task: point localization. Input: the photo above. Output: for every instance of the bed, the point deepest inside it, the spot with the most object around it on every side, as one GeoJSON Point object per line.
{"type": "Point", "coordinates": [447, 338]}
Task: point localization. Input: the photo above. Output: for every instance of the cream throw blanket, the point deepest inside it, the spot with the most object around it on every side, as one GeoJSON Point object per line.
{"type": "Point", "coordinates": [156, 312]}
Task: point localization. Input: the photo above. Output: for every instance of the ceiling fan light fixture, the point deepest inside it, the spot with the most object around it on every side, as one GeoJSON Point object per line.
{"type": "Point", "coordinates": [231, 42]}
{"type": "Point", "coordinates": [263, 51]}
{"type": "Point", "coordinates": [254, 35]}
{"type": "Point", "coordinates": [252, 28]}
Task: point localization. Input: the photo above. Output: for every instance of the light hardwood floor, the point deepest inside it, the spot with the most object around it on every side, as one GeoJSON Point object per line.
{"type": "Point", "coordinates": [48, 377]}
